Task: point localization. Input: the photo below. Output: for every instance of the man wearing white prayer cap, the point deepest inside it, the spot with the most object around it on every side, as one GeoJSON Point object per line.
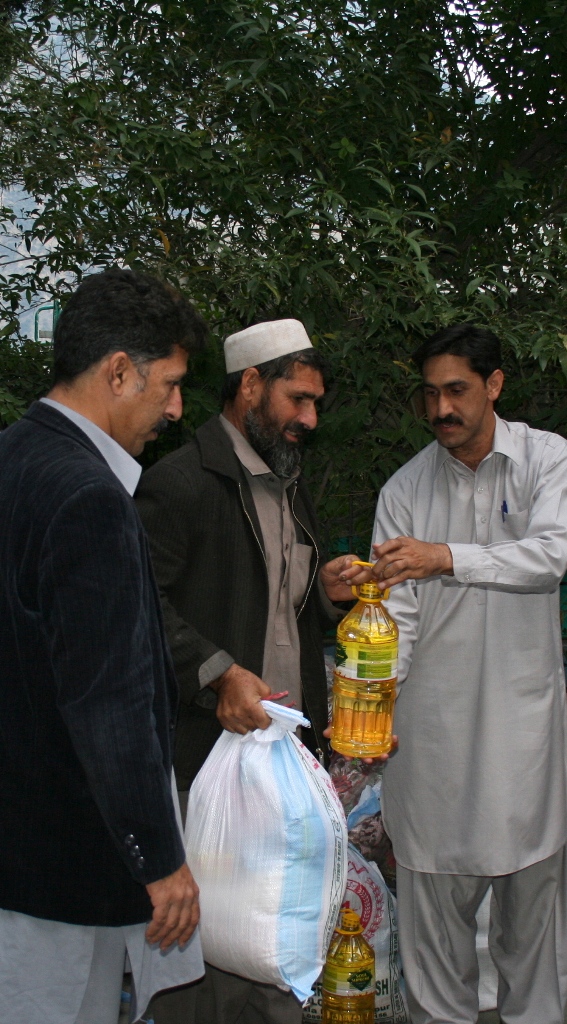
{"type": "Point", "coordinates": [246, 597]}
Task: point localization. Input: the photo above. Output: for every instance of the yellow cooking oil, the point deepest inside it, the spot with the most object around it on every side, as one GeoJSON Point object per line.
{"type": "Point", "coordinates": [349, 980]}
{"type": "Point", "coordinates": [365, 676]}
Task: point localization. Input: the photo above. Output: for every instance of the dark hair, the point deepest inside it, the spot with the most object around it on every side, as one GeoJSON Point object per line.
{"type": "Point", "coordinates": [476, 344]}
{"type": "Point", "coordinates": [123, 311]}
{"type": "Point", "coordinates": [271, 370]}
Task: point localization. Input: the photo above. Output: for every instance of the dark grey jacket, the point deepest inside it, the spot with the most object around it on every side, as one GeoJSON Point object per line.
{"type": "Point", "coordinates": [208, 554]}
{"type": "Point", "coordinates": [87, 694]}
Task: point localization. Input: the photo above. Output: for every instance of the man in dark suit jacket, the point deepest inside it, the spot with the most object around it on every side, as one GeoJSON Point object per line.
{"type": "Point", "coordinates": [90, 850]}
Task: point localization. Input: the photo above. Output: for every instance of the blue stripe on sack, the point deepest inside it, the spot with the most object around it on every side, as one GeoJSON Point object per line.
{"type": "Point", "coordinates": [306, 853]}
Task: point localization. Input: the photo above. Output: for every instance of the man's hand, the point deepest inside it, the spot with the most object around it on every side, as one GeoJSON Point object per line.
{"type": "Point", "coordinates": [328, 732]}
{"type": "Point", "coordinates": [240, 692]}
{"type": "Point", "coordinates": [175, 900]}
{"type": "Point", "coordinates": [339, 575]}
{"type": "Point", "coordinates": [406, 558]}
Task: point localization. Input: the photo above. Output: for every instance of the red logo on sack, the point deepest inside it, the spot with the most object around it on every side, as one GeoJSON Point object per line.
{"type": "Point", "coordinates": [365, 898]}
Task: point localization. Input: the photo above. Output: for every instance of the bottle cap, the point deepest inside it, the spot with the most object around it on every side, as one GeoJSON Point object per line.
{"type": "Point", "coordinates": [369, 591]}
{"type": "Point", "coordinates": [349, 923]}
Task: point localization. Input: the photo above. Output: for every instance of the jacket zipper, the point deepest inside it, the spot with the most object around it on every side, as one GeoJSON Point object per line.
{"type": "Point", "coordinates": [314, 574]}
{"type": "Point", "coordinates": [252, 525]}
{"type": "Point", "coordinates": [318, 749]}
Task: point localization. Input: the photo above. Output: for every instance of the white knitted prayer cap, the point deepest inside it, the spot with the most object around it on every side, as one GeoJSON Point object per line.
{"type": "Point", "coordinates": [263, 342]}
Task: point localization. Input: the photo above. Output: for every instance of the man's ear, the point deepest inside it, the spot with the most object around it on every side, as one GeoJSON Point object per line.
{"type": "Point", "coordinates": [251, 381]}
{"type": "Point", "coordinates": [119, 372]}
{"type": "Point", "coordinates": [494, 384]}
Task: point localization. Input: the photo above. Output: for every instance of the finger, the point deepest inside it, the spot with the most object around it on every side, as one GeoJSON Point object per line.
{"type": "Point", "coordinates": [187, 933]}
{"type": "Point", "coordinates": [188, 916]}
{"type": "Point", "coordinates": [151, 932]}
{"type": "Point", "coordinates": [258, 718]}
{"type": "Point", "coordinates": [158, 927]}
{"type": "Point", "coordinates": [399, 577]}
{"type": "Point", "coordinates": [355, 575]}
{"type": "Point", "coordinates": [232, 722]}
{"type": "Point", "coordinates": [231, 726]}
{"type": "Point", "coordinates": [243, 720]}
{"type": "Point", "coordinates": [175, 923]}
{"type": "Point", "coordinates": [191, 924]}
{"type": "Point", "coordinates": [341, 564]}
{"type": "Point", "coordinates": [177, 930]}
{"type": "Point", "coordinates": [388, 546]}
{"type": "Point", "coordinates": [388, 567]}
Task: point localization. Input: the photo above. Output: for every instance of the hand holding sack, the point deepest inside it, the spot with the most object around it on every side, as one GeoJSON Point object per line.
{"type": "Point", "coordinates": [266, 841]}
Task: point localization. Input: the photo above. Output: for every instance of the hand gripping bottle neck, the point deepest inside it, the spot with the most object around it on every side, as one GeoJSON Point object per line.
{"type": "Point", "coordinates": [369, 591]}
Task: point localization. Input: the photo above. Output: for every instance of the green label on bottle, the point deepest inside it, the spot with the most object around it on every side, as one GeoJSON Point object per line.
{"type": "Point", "coordinates": [344, 981]}
{"type": "Point", "coordinates": [360, 979]}
{"type": "Point", "coordinates": [367, 661]}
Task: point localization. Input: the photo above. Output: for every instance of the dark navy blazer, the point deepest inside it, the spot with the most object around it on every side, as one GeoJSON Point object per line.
{"type": "Point", "coordinates": [87, 691]}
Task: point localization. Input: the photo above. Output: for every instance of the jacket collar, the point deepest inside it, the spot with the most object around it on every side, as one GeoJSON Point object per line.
{"type": "Point", "coordinates": [124, 467]}
{"type": "Point", "coordinates": [48, 416]}
{"type": "Point", "coordinates": [216, 449]}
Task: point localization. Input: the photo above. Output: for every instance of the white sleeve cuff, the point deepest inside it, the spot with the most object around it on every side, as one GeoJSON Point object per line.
{"type": "Point", "coordinates": [469, 561]}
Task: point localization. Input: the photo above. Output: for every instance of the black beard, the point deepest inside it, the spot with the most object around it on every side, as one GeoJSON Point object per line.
{"type": "Point", "coordinates": [283, 457]}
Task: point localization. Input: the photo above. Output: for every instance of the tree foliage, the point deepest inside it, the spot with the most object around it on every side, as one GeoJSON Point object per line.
{"type": "Point", "coordinates": [374, 169]}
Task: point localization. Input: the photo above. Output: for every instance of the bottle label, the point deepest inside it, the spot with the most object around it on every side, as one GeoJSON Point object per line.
{"type": "Point", "coordinates": [367, 661]}
{"type": "Point", "coordinates": [344, 981]}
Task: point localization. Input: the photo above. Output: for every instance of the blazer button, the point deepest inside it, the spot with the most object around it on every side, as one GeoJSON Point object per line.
{"type": "Point", "coordinates": [129, 840]}
{"type": "Point", "coordinates": [134, 852]}
{"type": "Point", "coordinates": [141, 862]}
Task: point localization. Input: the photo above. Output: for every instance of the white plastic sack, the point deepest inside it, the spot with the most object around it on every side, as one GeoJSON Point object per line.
{"type": "Point", "coordinates": [368, 894]}
{"type": "Point", "coordinates": [266, 840]}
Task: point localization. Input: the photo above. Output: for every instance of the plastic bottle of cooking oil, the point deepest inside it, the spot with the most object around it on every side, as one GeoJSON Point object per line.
{"type": "Point", "coordinates": [366, 670]}
{"type": "Point", "coordinates": [349, 975]}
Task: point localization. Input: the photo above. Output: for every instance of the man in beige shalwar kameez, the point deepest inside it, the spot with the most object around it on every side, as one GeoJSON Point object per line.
{"type": "Point", "coordinates": [472, 536]}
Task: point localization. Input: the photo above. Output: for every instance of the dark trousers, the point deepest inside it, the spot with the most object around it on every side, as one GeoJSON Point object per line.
{"type": "Point", "coordinates": [221, 998]}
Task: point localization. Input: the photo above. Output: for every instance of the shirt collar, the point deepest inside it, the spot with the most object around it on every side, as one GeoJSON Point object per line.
{"type": "Point", "coordinates": [503, 443]}
{"type": "Point", "coordinates": [246, 454]}
{"type": "Point", "coordinates": [122, 465]}
{"type": "Point", "coordinates": [244, 451]}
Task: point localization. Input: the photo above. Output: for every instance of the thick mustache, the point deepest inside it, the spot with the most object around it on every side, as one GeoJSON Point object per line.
{"type": "Point", "coordinates": [448, 421]}
{"type": "Point", "coordinates": [161, 426]}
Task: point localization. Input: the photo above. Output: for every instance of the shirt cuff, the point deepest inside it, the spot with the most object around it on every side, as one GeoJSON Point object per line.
{"type": "Point", "coordinates": [468, 562]}
{"type": "Point", "coordinates": [214, 667]}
